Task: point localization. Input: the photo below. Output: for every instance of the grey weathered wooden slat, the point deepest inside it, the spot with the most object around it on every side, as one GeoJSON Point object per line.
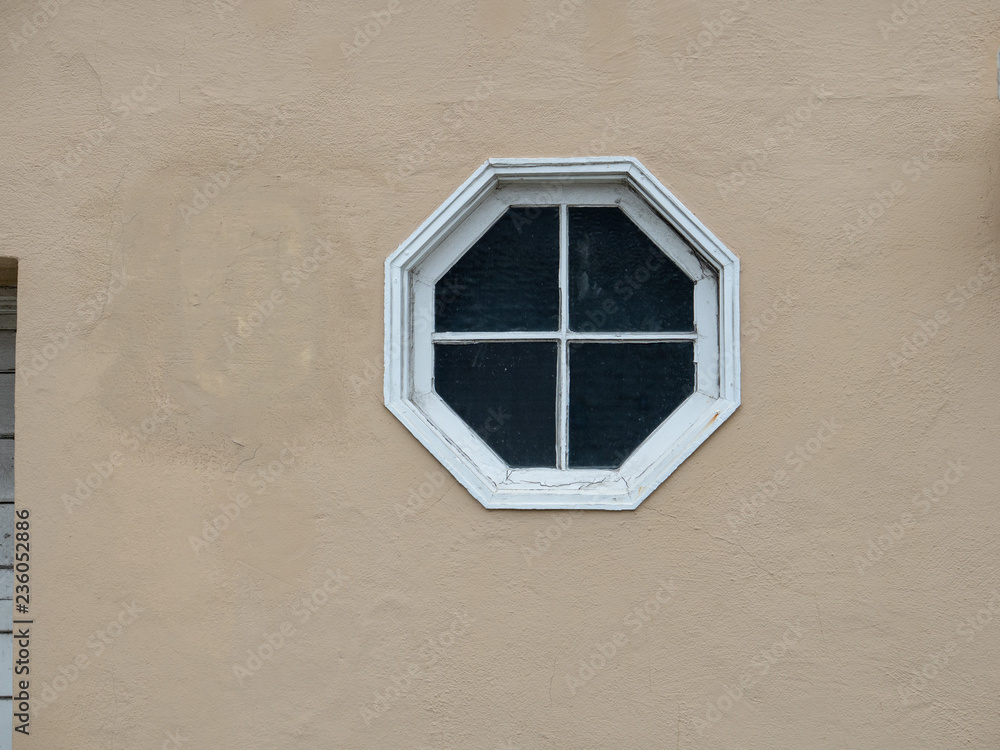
{"type": "Point", "coordinates": [6, 470]}
{"type": "Point", "coordinates": [6, 403]}
{"type": "Point", "coordinates": [6, 349]}
{"type": "Point", "coordinates": [6, 536]}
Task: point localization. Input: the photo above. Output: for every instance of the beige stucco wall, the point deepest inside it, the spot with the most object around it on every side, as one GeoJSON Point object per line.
{"type": "Point", "coordinates": [776, 123]}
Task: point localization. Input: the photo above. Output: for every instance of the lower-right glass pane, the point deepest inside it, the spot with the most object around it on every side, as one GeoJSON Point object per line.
{"type": "Point", "coordinates": [619, 393]}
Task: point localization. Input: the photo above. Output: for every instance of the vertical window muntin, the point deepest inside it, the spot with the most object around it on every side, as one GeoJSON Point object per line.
{"type": "Point", "coordinates": [704, 335]}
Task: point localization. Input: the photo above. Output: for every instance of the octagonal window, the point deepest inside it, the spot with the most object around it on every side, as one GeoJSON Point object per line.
{"type": "Point", "coordinates": [562, 333]}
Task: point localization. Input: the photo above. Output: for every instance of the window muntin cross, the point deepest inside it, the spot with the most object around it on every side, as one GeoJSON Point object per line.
{"type": "Point", "coordinates": [548, 291]}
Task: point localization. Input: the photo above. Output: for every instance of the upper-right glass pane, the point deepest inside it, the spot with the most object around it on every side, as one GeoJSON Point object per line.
{"type": "Point", "coordinates": [619, 280]}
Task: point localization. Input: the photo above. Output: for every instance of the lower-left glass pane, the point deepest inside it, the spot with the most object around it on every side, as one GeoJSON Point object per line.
{"type": "Point", "coordinates": [506, 392]}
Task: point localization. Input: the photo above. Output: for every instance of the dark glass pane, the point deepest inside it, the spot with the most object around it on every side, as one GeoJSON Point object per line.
{"type": "Point", "coordinates": [506, 392]}
{"type": "Point", "coordinates": [508, 280]}
{"type": "Point", "coordinates": [619, 394]}
{"type": "Point", "coordinates": [619, 280]}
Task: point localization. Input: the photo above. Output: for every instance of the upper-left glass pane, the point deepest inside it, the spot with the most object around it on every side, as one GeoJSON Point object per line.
{"type": "Point", "coordinates": [508, 280]}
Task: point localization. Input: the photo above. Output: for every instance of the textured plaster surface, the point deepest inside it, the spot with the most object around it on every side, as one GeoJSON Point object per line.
{"type": "Point", "coordinates": [780, 125]}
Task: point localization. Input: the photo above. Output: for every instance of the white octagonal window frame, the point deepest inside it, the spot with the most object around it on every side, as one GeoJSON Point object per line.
{"type": "Point", "coordinates": [415, 267]}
